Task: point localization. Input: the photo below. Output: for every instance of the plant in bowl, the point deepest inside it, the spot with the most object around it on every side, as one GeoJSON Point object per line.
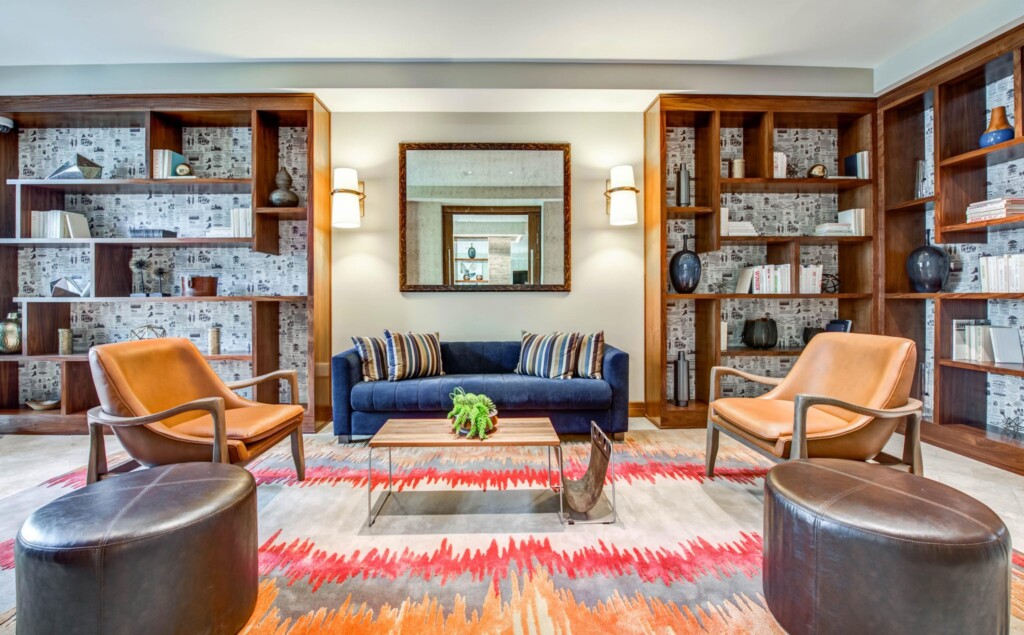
{"type": "Point", "coordinates": [472, 415]}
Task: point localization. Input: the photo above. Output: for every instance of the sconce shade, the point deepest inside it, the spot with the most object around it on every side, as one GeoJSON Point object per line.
{"type": "Point", "coordinates": [622, 208]}
{"type": "Point", "coordinates": [346, 199]}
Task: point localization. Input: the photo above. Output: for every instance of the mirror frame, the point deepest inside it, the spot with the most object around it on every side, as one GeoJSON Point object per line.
{"type": "Point", "coordinates": [566, 286]}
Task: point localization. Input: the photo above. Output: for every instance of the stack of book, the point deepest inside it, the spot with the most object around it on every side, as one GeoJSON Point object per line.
{"type": "Point", "coordinates": [59, 224]}
{"type": "Point", "coordinates": [148, 232]}
{"type": "Point", "coordinates": [978, 341]}
{"type": "Point", "coordinates": [241, 225]}
{"type": "Point", "coordinates": [165, 165]}
{"type": "Point", "coordinates": [857, 166]}
{"type": "Point", "coordinates": [994, 208]}
{"type": "Point", "coordinates": [734, 228]}
{"type": "Point", "coordinates": [833, 229]}
{"type": "Point", "coordinates": [765, 279]}
{"type": "Point", "coordinates": [855, 219]}
{"type": "Point", "coordinates": [1002, 274]}
{"type": "Point", "coordinates": [810, 278]}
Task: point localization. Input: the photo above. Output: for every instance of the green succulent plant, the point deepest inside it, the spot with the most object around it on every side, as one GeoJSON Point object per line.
{"type": "Point", "coordinates": [472, 412]}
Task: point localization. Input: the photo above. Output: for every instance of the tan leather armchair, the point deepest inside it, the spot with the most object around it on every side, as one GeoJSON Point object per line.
{"type": "Point", "coordinates": [166, 405]}
{"type": "Point", "coordinates": [843, 399]}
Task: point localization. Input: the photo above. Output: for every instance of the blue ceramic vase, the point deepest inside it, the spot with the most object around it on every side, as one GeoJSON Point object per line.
{"type": "Point", "coordinates": [684, 269]}
{"type": "Point", "coordinates": [928, 269]}
{"type": "Point", "coordinates": [999, 129]}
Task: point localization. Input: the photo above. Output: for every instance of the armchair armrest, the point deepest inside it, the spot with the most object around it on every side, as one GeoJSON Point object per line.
{"type": "Point", "coordinates": [912, 410]}
{"type": "Point", "coordinates": [718, 371]}
{"type": "Point", "coordinates": [291, 375]}
{"type": "Point", "coordinates": [98, 418]}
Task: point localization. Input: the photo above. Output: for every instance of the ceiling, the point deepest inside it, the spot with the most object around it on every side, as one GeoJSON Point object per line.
{"type": "Point", "coordinates": [784, 32]}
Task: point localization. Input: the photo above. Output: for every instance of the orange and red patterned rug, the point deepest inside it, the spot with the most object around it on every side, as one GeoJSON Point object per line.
{"type": "Point", "coordinates": [471, 543]}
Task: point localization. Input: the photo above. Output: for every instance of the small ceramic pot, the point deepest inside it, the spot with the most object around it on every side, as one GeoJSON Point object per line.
{"type": "Point", "coordinates": [199, 286]}
{"type": "Point", "coordinates": [761, 333]}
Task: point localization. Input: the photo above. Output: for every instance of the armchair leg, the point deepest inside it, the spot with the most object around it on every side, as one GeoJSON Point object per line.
{"type": "Point", "coordinates": [712, 449]}
{"type": "Point", "coordinates": [912, 444]}
{"type": "Point", "coordinates": [97, 454]}
{"type": "Point", "coordinates": [299, 454]}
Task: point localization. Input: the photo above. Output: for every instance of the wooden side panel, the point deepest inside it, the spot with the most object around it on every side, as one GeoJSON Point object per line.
{"type": "Point", "coordinates": [40, 322]}
{"type": "Point", "coordinates": [266, 348]}
{"type": "Point", "coordinates": [320, 324]}
{"type": "Point", "coordinates": [8, 385]}
{"type": "Point", "coordinates": [708, 333]}
{"type": "Point", "coordinates": [77, 391]}
{"type": "Point", "coordinates": [1018, 92]}
{"type": "Point", "coordinates": [706, 167]}
{"type": "Point", "coordinates": [264, 168]}
{"type": "Point", "coordinates": [112, 273]}
{"type": "Point", "coordinates": [654, 261]}
{"type": "Point", "coordinates": [8, 170]}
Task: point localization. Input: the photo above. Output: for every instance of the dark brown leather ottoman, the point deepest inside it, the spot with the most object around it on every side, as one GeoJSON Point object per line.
{"type": "Point", "coordinates": [166, 550]}
{"type": "Point", "coordinates": [851, 547]}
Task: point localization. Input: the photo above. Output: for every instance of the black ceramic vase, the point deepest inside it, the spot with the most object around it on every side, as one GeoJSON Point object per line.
{"type": "Point", "coordinates": [761, 333]}
{"type": "Point", "coordinates": [684, 269]}
{"type": "Point", "coordinates": [928, 269]}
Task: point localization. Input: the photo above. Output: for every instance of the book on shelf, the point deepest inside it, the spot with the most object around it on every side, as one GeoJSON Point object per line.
{"type": "Point", "coordinates": [1006, 348]}
{"type": "Point", "coordinates": [810, 278]}
{"type": "Point", "coordinates": [1001, 274]}
{"type": "Point", "coordinates": [59, 224]}
{"type": "Point", "coordinates": [971, 341]}
{"type": "Point", "coordinates": [741, 228]}
{"type": "Point", "coordinates": [854, 218]}
{"type": "Point", "coordinates": [857, 166]}
{"type": "Point", "coordinates": [165, 165]}
{"type": "Point", "coordinates": [723, 221]}
{"type": "Point", "coordinates": [241, 222]}
{"type": "Point", "coordinates": [833, 229]}
{"type": "Point", "coordinates": [764, 279]}
{"type": "Point", "coordinates": [994, 208]}
{"type": "Point", "coordinates": [148, 232]}
{"type": "Point", "coordinates": [779, 165]}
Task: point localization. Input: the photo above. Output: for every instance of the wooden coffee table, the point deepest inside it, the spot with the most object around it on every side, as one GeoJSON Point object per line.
{"type": "Point", "coordinates": [437, 433]}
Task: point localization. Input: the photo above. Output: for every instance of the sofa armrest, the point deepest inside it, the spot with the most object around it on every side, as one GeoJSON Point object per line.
{"type": "Point", "coordinates": [346, 372]}
{"type": "Point", "coordinates": [615, 371]}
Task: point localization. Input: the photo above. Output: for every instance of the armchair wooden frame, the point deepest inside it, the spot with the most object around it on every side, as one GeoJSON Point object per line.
{"type": "Point", "coordinates": [98, 420]}
{"type": "Point", "coordinates": [912, 411]}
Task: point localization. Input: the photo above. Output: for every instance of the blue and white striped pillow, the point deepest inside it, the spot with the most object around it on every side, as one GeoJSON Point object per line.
{"type": "Point", "coordinates": [373, 352]}
{"type": "Point", "coordinates": [590, 355]}
{"type": "Point", "coordinates": [413, 355]}
{"type": "Point", "coordinates": [552, 356]}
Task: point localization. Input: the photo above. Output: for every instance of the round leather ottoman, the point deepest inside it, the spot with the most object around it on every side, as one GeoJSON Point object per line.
{"type": "Point", "coordinates": [851, 547]}
{"type": "Point", "coordinates": [165, 550]}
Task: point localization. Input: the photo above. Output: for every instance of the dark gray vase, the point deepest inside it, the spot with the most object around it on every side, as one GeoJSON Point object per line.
{"type": "Point", "coordinates": [684, 269]}
{"type": "Point", "coordinates": [283, 196]}
{"type": "Point", "coordinates": [928, 269]}
{"type": "Point", "coordinates": [761, 333]}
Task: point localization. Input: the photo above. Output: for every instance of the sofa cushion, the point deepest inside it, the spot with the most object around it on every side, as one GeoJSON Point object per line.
{"type": "Point", "coordinates": [508, 390]}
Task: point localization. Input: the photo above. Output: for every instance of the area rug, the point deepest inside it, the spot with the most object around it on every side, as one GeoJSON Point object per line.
{"type": "Point", "coordinates": [471, 543]}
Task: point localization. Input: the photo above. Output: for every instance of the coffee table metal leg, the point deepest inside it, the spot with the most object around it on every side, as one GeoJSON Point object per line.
{"type": "Point", "coordinates": [561, 483]}
{"type": "Point", "coordinates": [371, 514]}
{"type": "Point", "coordinates": [549, 467]}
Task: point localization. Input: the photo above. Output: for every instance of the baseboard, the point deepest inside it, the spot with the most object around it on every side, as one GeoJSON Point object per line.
{"type": "Point", "coordinates": [637, 409]}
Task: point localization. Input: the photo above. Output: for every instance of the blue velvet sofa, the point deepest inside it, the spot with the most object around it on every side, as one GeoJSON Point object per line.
{"type": "Point", "coordinates": [361, 408]}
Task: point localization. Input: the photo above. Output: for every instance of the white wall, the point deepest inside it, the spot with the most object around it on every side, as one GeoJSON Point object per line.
{"type": "Point", "coordinates": [607, 262]}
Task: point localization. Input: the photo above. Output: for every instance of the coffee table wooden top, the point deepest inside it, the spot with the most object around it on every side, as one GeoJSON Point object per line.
{"type": "Point", "coordinates": [434, 433]}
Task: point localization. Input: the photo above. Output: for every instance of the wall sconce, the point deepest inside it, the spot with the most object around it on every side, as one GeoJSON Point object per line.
{"type": "Point", "coordinates": [620, 198]}
{"type": "Point", "coordinates": [347, 209]}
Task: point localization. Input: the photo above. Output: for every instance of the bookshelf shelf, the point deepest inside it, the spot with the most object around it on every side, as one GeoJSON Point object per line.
{"type": "Point", "coordinates": [84, 358]}
{"type": "Point", "coordinates": [762, 352]}
{"type": "Point", "coordinates": [800, 240]}
{"type": "Point", "coordinates": [137, 186]}
{"type": "Point", "coordinates": [1016, 370]}
{"type": "Point", "coordinates": [282, 213]}
{"type": "Point", "coordinates": [993, 155]}
{"type": "Point", "coordinates": [798, 186]}
{"type": "Point", "coordinates": [673, 297]}
{"type": "Point", "coordinates": [915, 205]}
{"type": "Point", "coordinates": [688, 211]}
{"type": "Point", "coordinates": [1015, 221]}
{"type": "Point", "coordinates": [954, 296]}
{"type": "Point", "coordinates": [175, 298]}
{"type": "Point", "coordinates": [131, 242]}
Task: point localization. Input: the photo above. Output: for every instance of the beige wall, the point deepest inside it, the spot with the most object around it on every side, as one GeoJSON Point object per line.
{"type": "Point", "coordinates": [607, 272]}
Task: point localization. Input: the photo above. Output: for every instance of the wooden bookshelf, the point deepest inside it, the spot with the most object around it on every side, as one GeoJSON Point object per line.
{"type": "Point", "coordinates": [759, 118]}
{"type": "Point", "coordinates": [163, 119]}
{"type": "Point", "coordinates": [955, 96]}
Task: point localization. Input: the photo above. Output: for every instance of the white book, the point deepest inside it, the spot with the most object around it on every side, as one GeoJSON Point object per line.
{"type": "Point", "coordinates": [77, 225]}
{"type": "Point", "coordinates": [960, 349]}
{"type": "Point", "coordinates": [723, 219]}
{"type": "Point", "coordinates": [744, 280]}
{"type": "Point", "coordinates": [1006, 347]}
{"type": "Point", "coordinates": [724, 335]}
{"type": "Point", "coordinates": [779, 165]}
{"type": "Point", "coordinates": [983, 352]}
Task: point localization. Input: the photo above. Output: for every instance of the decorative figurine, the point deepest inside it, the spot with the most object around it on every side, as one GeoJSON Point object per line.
{"type": "Point", "coordinates": [77, 168]}
{"type": "Point", "coordinates": [10, 334]}
{"type": "Point", "coordinates": [999, 129]}
{"type": "Point", "coordinates": [684, 269]}
{"type": "Point", "coordinates": [147, 332]}
{"type": "Point", "coordinates": [140, 266]}
{"type": "Point", "coordinates": [817, 171]}
{"type": "Point", "coordinates": [161, 274]}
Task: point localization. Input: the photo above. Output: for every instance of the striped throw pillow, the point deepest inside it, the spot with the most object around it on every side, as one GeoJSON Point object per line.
{"type": "Point", "coordinates": [373, 352]}
{"type": "Point", "coordinates": [552, 356]}
{"type": "Point", "coordinates": [412, 355]}
{"type": "Point", "coordinates": [590, 355]}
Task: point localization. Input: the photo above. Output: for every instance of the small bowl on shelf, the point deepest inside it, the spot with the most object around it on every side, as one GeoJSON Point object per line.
{"type": "Point", "coordinates": [44, 404]}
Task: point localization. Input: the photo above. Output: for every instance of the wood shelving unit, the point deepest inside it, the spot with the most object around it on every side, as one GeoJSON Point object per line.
{"type": "Point", "coordinates": [759, 118]}
{"type": "Point", "coordinates": [955, 94]}
{"type": "Point", "coordinates": [163, 119]}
